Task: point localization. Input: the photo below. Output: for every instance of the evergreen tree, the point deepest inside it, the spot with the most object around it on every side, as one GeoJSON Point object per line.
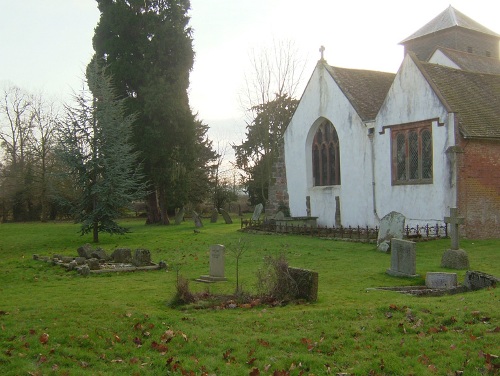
{"type": "Point", "coordinates": [147, 45]}
{"type": "Point", "coordinates": [94, 144]}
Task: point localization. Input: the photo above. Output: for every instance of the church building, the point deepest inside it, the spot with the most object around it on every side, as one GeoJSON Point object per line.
{"type": "Point", "coordinates": [363, 143]}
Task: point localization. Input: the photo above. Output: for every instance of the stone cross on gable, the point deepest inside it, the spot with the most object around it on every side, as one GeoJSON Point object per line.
{"type": "Point", "coordinates": [454, 220]}
{"type": "Point", "coordinates": [322, 50]}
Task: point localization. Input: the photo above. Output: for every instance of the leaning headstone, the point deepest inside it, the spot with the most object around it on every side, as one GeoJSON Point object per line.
{"type": "Point", "coordinates": [454, 258]}
{"type": "Point", "coordinates": [279, 216]}
{"type": "Point", "coordinates": [439, 280]}
{"type": "Point", "coordinates": [226, 217]}
{"type": "Point", "coordinates": [85, 251]}
{"type": "Point", "coordinates": [142, 257]}
{"type": "Point", "coordinates": [122, 256]}
{"type": "Point", "coordinates": [180, 216]}
{"type": "Point", "coordinates": [477, 280]}
{"type": "Point", "coordinates": [306, 282]}
{"type": "Point", "coordinates": [100, 254]}
{"type": "Point", "coordinates": [257, 212]}
{"type": "Point", "coordinates": [197, 220]}
{"type": "Point", "coordinates": [391, 226]}
{"type": "Point", "coordinates": [403, 259]}
{"type": "Point", "coordinates": [217, 252]}
{"type": "Point", "coordinates": [215, 216]}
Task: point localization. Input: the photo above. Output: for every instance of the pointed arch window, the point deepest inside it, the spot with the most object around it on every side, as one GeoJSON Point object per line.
{"type": "Point", "coordinates": [326, 156]}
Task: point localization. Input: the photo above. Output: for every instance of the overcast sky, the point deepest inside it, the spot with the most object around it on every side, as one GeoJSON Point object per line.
{"type": "Point", "coordinates": [46, 44]}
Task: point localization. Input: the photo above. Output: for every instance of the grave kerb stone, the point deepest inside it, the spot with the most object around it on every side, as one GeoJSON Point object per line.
{"type": "Point", "coordinates": [441, 280]}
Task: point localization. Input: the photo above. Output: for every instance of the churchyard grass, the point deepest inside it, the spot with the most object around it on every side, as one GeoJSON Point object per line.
{"type": "Point", "coordinates": [122, 323]}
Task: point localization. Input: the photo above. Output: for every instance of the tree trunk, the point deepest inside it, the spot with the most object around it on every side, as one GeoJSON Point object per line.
{"type": "Point", "coordinates": [96, 232]}
{"type": "Point", "coordinates": [162, 203]}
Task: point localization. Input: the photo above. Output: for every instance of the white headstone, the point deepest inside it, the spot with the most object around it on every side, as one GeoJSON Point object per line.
{"type": "Point", "coordinates": [257, 212]}
{"type": "Point", "coordinates": [217, 252]}
{"type": "Point", "coordinates": [391, 226]}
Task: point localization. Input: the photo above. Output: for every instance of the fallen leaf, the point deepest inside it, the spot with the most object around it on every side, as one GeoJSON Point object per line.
{"type": "Point", "coordinates": [254, 372]}
{"type": "Point", "coordinates": [263, 343]}
{"type": "Point", "coordinates": [44, 338]}
{"type": "Point", "coordinates": [167, 336]}
{"type": "Point", "coordinates": [251, 361]}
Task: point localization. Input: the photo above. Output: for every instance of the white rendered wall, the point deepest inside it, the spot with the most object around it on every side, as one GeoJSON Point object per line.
{"type": "Point", "coordinates": [322, 99]}
{"type": "Point", "coordinates": [438, 57]}
{"type": "Point", "coordinates": [412, 99]}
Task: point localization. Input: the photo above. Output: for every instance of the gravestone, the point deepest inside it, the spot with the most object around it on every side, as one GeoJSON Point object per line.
{"type": "Point", "coordinates": [217, 252]}
{"type": "Point", "coordinates": [122, 256]}
{"type": "Point", "coordinates": [391, 226]}
{"type": "Point", "coordinates": [338, 220]}
{"type": "Point", "coordinates": [257, 212]}
{"type": "Point", "coordinates": [197, 220]}
{"type": "Point", "coordinates": [100, 254]}
{"type": "Point", "coordinates": [306, 282]}
{"type": "Point", "coordinates": [279, 216]}
{"type": "Point", "coordinates": [85, 251]}
{"type": "Point", "coordinates": [226, 217]}
{"type": "Point", "coordinates": [475, 280]}
{"type": "Point", "coordinates": [215, 216]}
{"type": "Point", "coordinates": [142, 257]}
{"type": "Point", "coordinates": [439, 280]}
{"type": "Point", "coordinates": [454, 258]}
{"type": "Point", "coordinates": [403, 259]}
{"type": "Point", "coordinates": [180, 216]}
{"type": "Point", "coordinates": [308, 206]}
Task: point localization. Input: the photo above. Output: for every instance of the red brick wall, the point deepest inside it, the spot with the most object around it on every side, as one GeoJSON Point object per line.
{"type": "Point", "coordinates": [479, 188]}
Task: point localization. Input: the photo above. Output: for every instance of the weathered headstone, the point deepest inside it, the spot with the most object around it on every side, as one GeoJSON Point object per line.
{"type": "Point", "coordinates": [215, 216]}
{"type": "Point", "coordinates": [439, 280]}
{"type": "Point", "coordinates": [308, 206]}
{"type": "Point", "coordinates": [197, 220]}
{"type": "Point", "coordinates": [454, 258]}
{"type": "Point", "coordinates": [226, 216]}
{"type": "Point", "coordinates": [100, 254]}
{"type": "Point", "coordinates": [122, 256]}
{"type": "Point", "coordinates": [217, 252]}
{"type": "Point", "coordinates": [306, 282]}
{"type": "Point", "coordinates": [179, 216]}
{"type": "Point", "coordinates": [477, 280]}
{"type": "Point", "coordinates": [142, 257]}
{"type": "Point", "coordinates": [403, 258]}
{"type": "Point", "coordinates": [391, 226]}
{"type": "Point", "coordinates": [93, 264]}
{"type": "Point", "coordinates": [85, 251]}
{"type": "Point", "coordinates": [279, 216]}
{"type": "Point", "coordinates": [257, 212]}
{"type": "Point", "coordinates": [338, 220]}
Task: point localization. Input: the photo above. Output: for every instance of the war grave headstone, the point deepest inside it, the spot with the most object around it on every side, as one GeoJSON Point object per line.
{"type": "Point", "coordinates": [197, 220]}
{"type": "Point", "coordinates": [454, 258]}
{"type": "Point", "coordinates": [392, 226]}
{"type": "Point", "coordinates": [226, 217]}
{"type": "Point", "coordinates": [215, 216]}
{"type": "Point", "coordinates": [217, 254]}
{"type": "Point", "coordinates": [403, 259]}
{"type": "Point", "coordinates": [257, 212]}
{"type": "Point", "coordinates": [179, 217]}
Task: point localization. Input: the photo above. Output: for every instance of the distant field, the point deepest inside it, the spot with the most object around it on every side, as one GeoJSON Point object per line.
{"type": "Point", "coordinates": [54, 322]}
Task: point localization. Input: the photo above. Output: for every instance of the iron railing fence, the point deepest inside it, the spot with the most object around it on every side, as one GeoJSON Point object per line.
{"type": "Point", "coordinates": [360, 233]}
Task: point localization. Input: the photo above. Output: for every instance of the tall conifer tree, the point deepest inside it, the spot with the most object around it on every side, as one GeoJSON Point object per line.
{"type": "Point", "coordinates": [147, 45]}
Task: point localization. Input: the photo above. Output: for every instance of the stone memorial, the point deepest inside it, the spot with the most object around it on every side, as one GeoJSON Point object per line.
{"type": "Point", "coordinates": [226, 216]}
{"type": "Point", "coordinates": [439, 280]}
{"type": "Point", "coordinates": [215, 216]}
{"type": "Point", "coordinates": [308, 206]}
{"type": "Point", "coordinates": [454, 258]}
{"type": "Point", "coordinates": [179, 216]}
{"type": "Point", "coordinates": [142, 257]}
{"type": "Point", "coordinates": [306, 282]}
{"type": "Point", "coordinates": [403, 259]}
{"type": "Point", "coordinates": [475, 280]}
{"type": "Point", "coordinates": [217, 252]}
{"type": "Point", "coordinates": [391, 226]}
{"type": "Point", "coordinates": [100, 254]}
{"type": "Point", "coordinates": [197, 220]}
{"type": "Point", "coordinates": [85, 251]}
{"type": "Point", "coordinates": [122, 255]}
{"type": "Point", "coordinates": [257, 212]}
{"type": "Point", "coordinates": [279, 216]}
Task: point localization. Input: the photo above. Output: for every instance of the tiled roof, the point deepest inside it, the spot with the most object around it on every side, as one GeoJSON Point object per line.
{"type": "Point", "coordinates": [471, 62]}
{"type": "Point", "coordinates": [474, 97]}
{"type": "Point", "coordinates": [447, 19]}
{"type": "Point", "coordinates": [366, 90]}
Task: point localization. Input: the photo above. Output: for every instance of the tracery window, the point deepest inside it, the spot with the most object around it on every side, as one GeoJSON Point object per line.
{"type": "Point", "coordinates": [412, 153]}
{"type": "Point", "coordinates": [326, 156]}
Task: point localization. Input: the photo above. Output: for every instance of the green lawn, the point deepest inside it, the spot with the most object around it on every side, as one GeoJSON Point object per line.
{"type": "Point", "coordinates": [122, 324]}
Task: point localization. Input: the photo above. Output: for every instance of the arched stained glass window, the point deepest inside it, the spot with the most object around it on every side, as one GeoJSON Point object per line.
{"type": "Point", "coordinates": [326, 156]}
